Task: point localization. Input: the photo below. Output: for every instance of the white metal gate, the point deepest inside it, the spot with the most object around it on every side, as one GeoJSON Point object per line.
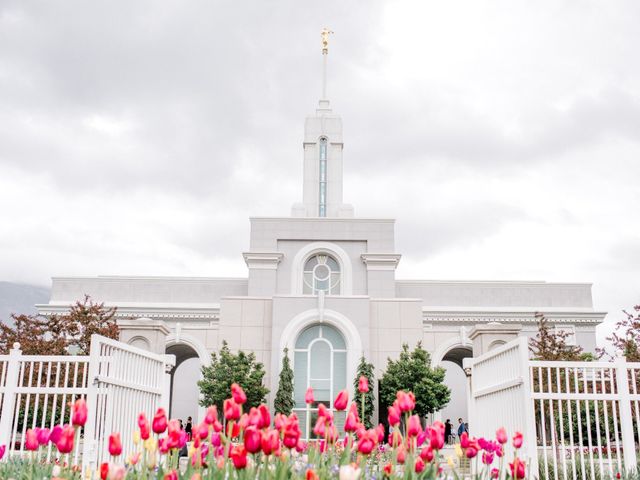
{"type": "Point", "coordinates": [117, 380]}
{"type": "Point", "coordinates": [580, 420]}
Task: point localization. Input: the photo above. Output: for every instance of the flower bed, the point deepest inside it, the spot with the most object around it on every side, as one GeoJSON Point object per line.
{"type": "Point", "coordinates": [247, 445]}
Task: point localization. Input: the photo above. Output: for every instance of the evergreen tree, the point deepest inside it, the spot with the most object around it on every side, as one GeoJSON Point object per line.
{"type": "Point", "coordinates": [413, 372]}
{"type": "Point", "coordinates": [227, 368]}
{"type": "Point", "coordinates": [365, 369]}
{"type": "Point", "coordinates": [284, 402]}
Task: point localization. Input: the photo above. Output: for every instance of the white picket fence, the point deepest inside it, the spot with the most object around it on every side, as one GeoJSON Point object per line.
{"type": "Point", "coordinates": [580, 419]}
{"type": "Point", "coordinates": [117, 380]}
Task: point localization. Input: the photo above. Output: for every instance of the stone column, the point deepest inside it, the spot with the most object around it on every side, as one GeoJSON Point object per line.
{"type": "Point", "coordinates": [490, 335]}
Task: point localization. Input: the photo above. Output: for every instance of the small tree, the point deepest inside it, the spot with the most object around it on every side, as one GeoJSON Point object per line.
{"type": "Point", "coordinates": [365, 369]}
{"type": "Point", "coordinates": [413, 372]}
{"type": "Point", "coordinates": [284, 401]}
{"type": "Point", "coordinates": [227, 368]}
{"type": "Point", "coordinates": [552, 344]}
{"type": "Point", "coordinates": [626, 336]}
{"type": "Point", "coordinates": [58, 334]}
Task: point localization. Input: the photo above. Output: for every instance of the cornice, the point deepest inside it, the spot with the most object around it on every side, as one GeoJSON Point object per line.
{"type": "Point", "coordinates": [209, 312]}
{"type": "Point", "coordinates": [567, 317]}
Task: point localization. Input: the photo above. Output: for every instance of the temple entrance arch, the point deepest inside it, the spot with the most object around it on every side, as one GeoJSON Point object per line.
{"type": "Point", "coordinates": [190, 357]}
{"type": "Point", "coordinates": [450, 355]}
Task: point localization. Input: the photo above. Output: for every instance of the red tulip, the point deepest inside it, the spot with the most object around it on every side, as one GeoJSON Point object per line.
{"type": "Point", "coordinates": [31, 441]}
{"type": "Point", "coordinates": [380, 432]}
{"type": "Point", "coordinates": [501, 436]}
{"type": "Point", "coordinates": [202, 431]}
{"type": "Point", "coordinates": [231, 409]}
{"type": "Point", "coordinates": [159, 421]}
{"type": "Point", "coordinates": [291, 436]}
{"type": "Point", "coordinates": [43, 436]}
{"type": "Point", "coordinates": [517, 440]}
{"type": "Point", "coordinates": [419, 466]}
{"type": "Point", "coordinates": [319, 428]}
{"type": "Point", "coordinates": [238, 394]}
{"type": "Point", "coordinates": [363, 384]}
{"type": "Point", "coordinates": [80, 412]}
{"type": "Point", "coordinates": [104, 471]}
{"type": "Point", "coordinates": [311, 475]}
{"type": "Point", "coordinates": [212, 415]}
{"type": "Point", "coordinates": [172, 475]}
{"type": "Point", "coordinates": [393, 416]}
{"type": "Point", "coordinates": [265, 416]}
{"type": "Point", "coordinates": [464, 440]}
{"type": "Point", "coordinates": [388, 468]}
{"type": "Point", "coordinates": [340, 403]}
{"type": "Point", "coordinates": [65, 439]}
{"type": "Point", "coordinates": [270, 441]}
{"type": "Point", "coordinates": [367, 442]}
{"type": "Point", "coordinates": [517, 468]}
{"type": "Point", "coordinates": [414, 428]}
{"type": "Point", "coordinates": [308, 397]}
{"type": "Point", "coordinates": [471, 451]}
{"type": "Point", "coordinates": [115, 445]}
{"type": "Point", "coordinates": [252, 439]}
{"type": "Point", "coordinates": [54, 436]}
{"type": "Point", "coordinates": [233, 429]}
{"type": "Point", "coordinates": [427, 454]}
{"type": "Point", "coordinates": [401, 455]}
{"type": "Point", "coordinates": [238, 455]}
{"type": "Point", "coordinates": [495, 473]}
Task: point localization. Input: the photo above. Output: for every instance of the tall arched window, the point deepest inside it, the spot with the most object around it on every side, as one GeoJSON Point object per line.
{"type": "Point", "coordinates": [322, 187]}
{"type": "Point", "coordinates": [321, 273]}
{"type": "Point", "coordinates": [320, 361]}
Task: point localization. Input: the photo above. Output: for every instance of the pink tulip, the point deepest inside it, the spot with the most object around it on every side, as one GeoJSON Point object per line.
{"type": "Point", "coordinates": [363, 384]}
{"type": "Point", "coordinates": [393, 416]}
{"type": "Point", "coordinates": [265, 416]}
{"type": "Point", "coordinates": [143, 425]}
{"type": "Point", "coordinates": [427, 454]}
{"type": "Point", "coordinates": [31, 441]}
{"type": "Point", "coordinates": [308, 397]}
{"type": "Point", "coordinates": [231, 409]}
{"type": "Point", "coordinates": [471, 451]}
{"type": "Point", "coordinates": [517, 440]}
{"type": "Point", "coordinates": [115, 444]}
{"type": "Point", "coordinates": [3, 449]}
{"type": "Point", "coordinates": [43, 436]}
{"type": "Point", "coordinates": [212, 415]}
{"type": "Point", "coordinates": [406, 401]}
{"type": "Point", "coordinates": [238, 394]}
{"type": "Point", "coordinates": [517, 468]}
{"type": "Point", "coordinates": [414, 428]}
{"type": "Point", "coordinates": [419, 466]}
{"type": "Point", "coordinates": [487, 458]}
{"type": "Point", "coordinates": [340, 403]}
{"type": "Point", "coordinates": [252, 439]}
{"type": "Point", "coordinates": [501, 436]}
{"type": "Point", "coordinates": [351, 424]}
{"type": "Point", "coordinates": [270, 441]}
{"type": "Point", "coordinates": [80, 413]}
{"type": "Point", "coordinates": [65, 439]}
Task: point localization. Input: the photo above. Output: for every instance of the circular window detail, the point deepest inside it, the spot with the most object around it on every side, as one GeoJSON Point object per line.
{"type": "Point", "coordinates": [321, 274]}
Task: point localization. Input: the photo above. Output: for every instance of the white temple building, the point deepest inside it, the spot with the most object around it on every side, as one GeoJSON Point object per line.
{"type": "Point", "coordinates": [322, 282]}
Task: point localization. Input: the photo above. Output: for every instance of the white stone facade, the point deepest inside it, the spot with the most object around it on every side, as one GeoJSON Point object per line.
{"type": "Point", "coordinates": [281, 296]}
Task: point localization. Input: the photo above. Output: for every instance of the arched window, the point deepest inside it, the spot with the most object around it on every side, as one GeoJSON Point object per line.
{"type": "Point", "coordinates": [320, 362]}
{"type": "Point", "coordinates": [322, 175]}
{"type": "Point", "coordinates": [321, 274]}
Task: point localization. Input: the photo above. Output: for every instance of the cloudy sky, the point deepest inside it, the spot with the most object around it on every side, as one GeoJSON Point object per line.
{"type": "Point", "coordinates": [504, 136]}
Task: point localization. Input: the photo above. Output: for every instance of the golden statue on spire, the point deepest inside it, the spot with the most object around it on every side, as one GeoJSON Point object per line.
{"type": "Point", "coordinates": [325, 40]}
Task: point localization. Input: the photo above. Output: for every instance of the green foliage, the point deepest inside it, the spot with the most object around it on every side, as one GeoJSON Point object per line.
{"type": "Point", "coordinates": [413, 372]}
{"type": "Point", "coordinates": [227, 368]}
{"type": "Point", "coordinates": [365, 369]}
{"type": "Point", "coordinates": [284, 402]}
{"type": "Point", "coordinates": [626, 336]}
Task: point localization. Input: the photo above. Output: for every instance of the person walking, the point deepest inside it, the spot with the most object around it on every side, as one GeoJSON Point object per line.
{"type": "Point", "coordinates": [189, 428]}
{"type": "Point", "coordinates": [462, 427]}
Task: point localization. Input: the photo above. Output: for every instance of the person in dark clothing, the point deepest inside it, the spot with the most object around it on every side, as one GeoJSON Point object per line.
{"type": "Point", "coordinates": [462, 427]}
{"type": "Point", "coordinates": [447, 431]}
{"type": "Point", "coordinates": [189, 428]}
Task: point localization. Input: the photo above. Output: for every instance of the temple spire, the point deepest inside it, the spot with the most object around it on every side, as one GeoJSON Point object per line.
{"type": "Point", "coordinates": [324, 35]}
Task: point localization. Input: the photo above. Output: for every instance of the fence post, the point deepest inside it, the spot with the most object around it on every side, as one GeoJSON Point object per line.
{"type": "Point", "coordinates": [626, 417]}
{"type": "Point", "coordinates": [530, 435]}
{"type": "Point", "coordinates": [9, 397]}
{"type": "Point", "coordinates": [89, 444]}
